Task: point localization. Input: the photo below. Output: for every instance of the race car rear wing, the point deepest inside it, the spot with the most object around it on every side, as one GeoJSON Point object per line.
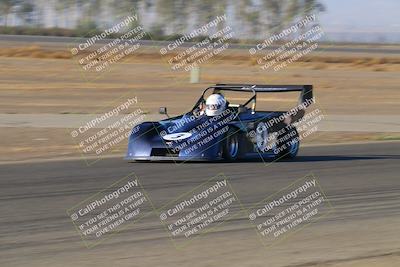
{"type": "Point", "coordinates": [306, 95]}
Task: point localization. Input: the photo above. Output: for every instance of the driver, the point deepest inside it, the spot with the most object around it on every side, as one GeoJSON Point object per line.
{"type": "Point", "coordinates": [215, 105]}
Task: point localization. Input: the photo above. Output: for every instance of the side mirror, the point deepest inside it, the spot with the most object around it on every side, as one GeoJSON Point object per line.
{"type": "Point", "coordinates": [163, 110]}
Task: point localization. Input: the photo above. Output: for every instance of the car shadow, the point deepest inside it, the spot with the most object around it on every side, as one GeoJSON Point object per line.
{"type": "Point", "coordinates": [307, 159]}
{"type": "Point", "coordinates": [326, 158]}
{"type": "Point", "coordinates": [271, 160]}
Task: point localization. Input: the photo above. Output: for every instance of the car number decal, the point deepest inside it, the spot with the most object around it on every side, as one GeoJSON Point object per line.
{"type": "Point", "coordinates": [177, 136]}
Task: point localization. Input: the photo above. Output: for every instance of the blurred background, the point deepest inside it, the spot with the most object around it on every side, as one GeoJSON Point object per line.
{"type": "Point", "coordinates": [344, 21]}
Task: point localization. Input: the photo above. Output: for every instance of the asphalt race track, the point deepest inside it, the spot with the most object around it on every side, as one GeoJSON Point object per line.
{"type": "Point", "coordinates": [361, 181]}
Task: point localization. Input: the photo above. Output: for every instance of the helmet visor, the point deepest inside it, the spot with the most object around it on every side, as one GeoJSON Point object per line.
{"type": "Point", "coordinates": [213, 106]}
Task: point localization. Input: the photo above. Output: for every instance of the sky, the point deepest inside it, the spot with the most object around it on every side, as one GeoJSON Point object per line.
{"type": "Point", "coordinates": [369, 20]}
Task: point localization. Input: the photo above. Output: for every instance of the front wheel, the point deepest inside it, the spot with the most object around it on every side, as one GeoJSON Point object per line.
{"type": "Point", "coordinates": [231, 146]}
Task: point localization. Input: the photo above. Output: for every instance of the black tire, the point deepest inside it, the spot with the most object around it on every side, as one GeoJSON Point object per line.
{"type": "Point", "coordinates": [288, 143]}
{"type": "Point", "coordinates": [231, 147]}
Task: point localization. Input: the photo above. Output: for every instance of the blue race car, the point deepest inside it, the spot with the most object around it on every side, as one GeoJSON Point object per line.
{"type": "Point", "coordinates": [216, 129]}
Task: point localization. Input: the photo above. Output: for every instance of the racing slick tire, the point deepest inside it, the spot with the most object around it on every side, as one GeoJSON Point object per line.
{"type": "Point", "coordinates": [289, 143]}
{"type": "Point", "coordinates": [231, 147]}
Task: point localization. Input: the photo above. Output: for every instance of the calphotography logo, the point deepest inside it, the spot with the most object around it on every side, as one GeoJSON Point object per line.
{"type": "Point", "coordinates": [100, 52]}
{"type": "Point", "coordinates": [300, 45]}
{"type": "Point", "coordinates": [199, 211]}
{"type": "Point", "coordinates": [186, 54]}
{"type": "Point", "coordinates": [289, 210]}
{"type": "Point", "coordinates": [110, 210]}
{"type": "Point", "coordinates": [108, 131]}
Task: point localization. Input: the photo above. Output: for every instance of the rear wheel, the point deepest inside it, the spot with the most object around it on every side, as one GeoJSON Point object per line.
{"type": "Point", "coordinates": [288, 143]}
{"type": "Point", "coordinates": [231, 146]}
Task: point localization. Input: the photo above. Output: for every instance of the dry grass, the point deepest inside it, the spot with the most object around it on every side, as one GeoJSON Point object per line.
{"type": "Point", "coordinates": [364, 61]}
{"type": "Point", "coordinates": [34, 52]}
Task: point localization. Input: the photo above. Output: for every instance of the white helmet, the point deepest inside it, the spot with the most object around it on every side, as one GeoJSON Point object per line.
{"type": "Point", "coordinates": [215, 104]}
